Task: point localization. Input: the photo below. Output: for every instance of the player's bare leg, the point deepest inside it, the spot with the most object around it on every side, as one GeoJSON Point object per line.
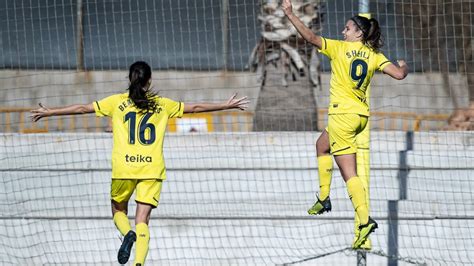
{"type": "Point", "coordinates": [323, 203]}
{"type": "Point", "coordinates": [357, 194]}
{"type": "Point", "coordinates": [363, 172]}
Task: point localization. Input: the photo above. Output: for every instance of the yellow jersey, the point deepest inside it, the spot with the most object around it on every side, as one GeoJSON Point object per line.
{"type": "Point", "coordinates": [138, 136]}
{"type": "Point", "coordinates": [352, 67]}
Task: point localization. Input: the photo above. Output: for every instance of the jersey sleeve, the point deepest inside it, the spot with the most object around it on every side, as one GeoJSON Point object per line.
{"type": "Point", "coordinates": [173, 108]}
{"type": "Point", "coordinates": [382, 61]}
{"type": "Point", "coordinates": [329, 47]}
{"type": "Point", "coordinates": [105, 106]}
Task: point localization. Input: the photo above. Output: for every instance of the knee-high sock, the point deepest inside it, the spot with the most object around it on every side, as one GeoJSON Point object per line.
{"type": "Point", "coordinates": [143, 238]}
{"type": "Point", "coordinates": [363, 171]}
{"type": "Point", "coordinates": [122, 223]}
{"type": "Point", "coordinates": [325, 175]}
{"type": "Point", "coordinates": [356, 191]}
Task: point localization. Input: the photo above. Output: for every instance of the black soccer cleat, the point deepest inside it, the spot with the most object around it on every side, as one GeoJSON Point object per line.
{"type": "Point", "coordinates": [126, 247]}
{"type": "Point", "coordinates": [320, 207]}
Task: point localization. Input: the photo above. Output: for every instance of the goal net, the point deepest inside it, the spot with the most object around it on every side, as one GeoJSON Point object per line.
{"type": "Point", "coordinates": [239, 183]}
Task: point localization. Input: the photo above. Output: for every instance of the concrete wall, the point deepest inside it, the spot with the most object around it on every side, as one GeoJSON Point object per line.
{"type": "Point", "coordinates": [420, 93]}
{"type": "Point", "coordinates": [235, 199]}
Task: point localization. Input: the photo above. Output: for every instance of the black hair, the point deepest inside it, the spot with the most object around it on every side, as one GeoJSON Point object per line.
{"type": "Point", "coordinates": [371, 34]}
{"type": "Point", "coordinates": [139, 89]}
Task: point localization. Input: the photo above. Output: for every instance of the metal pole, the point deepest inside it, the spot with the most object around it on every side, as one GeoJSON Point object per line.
{"type": "Point", "coordinates": [403, 167]}
{"type": "Point", "coordinates": [363, 11]}
{"type": "Point", "coordinates": [79, 38]}
{"type": "Point", "coordinates": [392, 232]}
{"type": "Point", "coordinates": [364, 8]}
{"type": "Point", "coordinates": [393, 204]}
{"type": "Point", "coordinates": [361, 258]}
{"type": "Point", "coordinates": [225, 32]}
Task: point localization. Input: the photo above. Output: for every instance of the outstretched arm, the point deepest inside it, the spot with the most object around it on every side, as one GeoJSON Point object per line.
{"type": "Point", "coordinates": [299, 25]}
{"type": "Point", "coordinates": [397, 72]}
{"type": "Point", "coordinates": [232, 103]}
{"type": "Point", "coordinates": [75, 109]}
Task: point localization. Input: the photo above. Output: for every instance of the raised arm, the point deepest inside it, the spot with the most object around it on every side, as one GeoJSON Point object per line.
{"type": "Point", "coordinates": [232, 103]}
{"type": "Point", "coordinates": [299, 25]}
{"type": "Point", "coordinates": [75, 109]}
{"type": "Point", "coordinates": [397, 72]}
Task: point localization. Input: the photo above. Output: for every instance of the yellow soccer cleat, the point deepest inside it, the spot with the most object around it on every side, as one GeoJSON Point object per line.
{"type": "Point", "coordinates": [365, 231]}
{"type": "Point", "coordinates": [320, 207]}
{"type": "Point", "coordinates": [366, 246]}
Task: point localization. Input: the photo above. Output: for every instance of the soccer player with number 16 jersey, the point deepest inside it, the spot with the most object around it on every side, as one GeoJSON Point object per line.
{"type": "Point", "coordinates": [139, 119]}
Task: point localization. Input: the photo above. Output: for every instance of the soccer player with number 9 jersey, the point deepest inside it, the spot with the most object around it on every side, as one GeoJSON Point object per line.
{"type": "Point", "coordinates": [353, 64]}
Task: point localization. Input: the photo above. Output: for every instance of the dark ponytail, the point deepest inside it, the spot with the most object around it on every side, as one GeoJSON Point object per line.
{"type": "Point", "coordinates": [371, 34]}
{"type": "Point", "coordinates": [139, 90]}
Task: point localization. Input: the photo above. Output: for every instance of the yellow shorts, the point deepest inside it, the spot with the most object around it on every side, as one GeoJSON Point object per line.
{"type": "Point", "coordinates": [343, 130]}
{"type": "Point", "coordinates": [147, 190]}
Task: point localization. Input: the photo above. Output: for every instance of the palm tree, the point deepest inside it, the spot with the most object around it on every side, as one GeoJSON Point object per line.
{"type": "Point", "coordinates": [288, 69]}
